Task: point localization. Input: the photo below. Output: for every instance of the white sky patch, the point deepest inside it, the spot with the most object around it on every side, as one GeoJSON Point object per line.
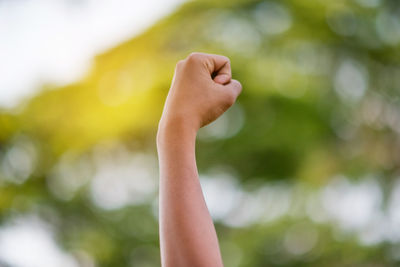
{"type": "Point", "coordinates": [351, 80]}
{"type": "Point", "coordinates": [263, 205]}
{"type": "Point", "coordinates": [273, 18]}
{"type": "Point", "coordinates": [352, 206]}
{"type": "Point", "coordinates": [393, 232]}
{"type": "Point", "coordinates": [222, 194]}
{"type": "Point", "coordinates": [19, 161]}
{"type": "Point", "coordinates": [124, 179]}
{"type": "Point", "coordinates": [28, 242]}
{"type": "Point", "coordinates": [55, 40]}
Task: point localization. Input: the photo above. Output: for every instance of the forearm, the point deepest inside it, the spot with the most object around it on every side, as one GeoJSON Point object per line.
{"type": "Point", "coordinates": [187, 233]}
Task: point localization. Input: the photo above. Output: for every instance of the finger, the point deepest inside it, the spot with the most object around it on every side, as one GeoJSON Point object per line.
{"type": "Point", "coordinates": [220, 68]}
{"type": "Point", "coordinates": [235, 87]}
{"type": "Point", "coordinates": [216, 65]}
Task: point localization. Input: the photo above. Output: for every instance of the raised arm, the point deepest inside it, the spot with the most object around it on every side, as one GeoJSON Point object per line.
{"type": "Point", "coordinates": [201, 90]}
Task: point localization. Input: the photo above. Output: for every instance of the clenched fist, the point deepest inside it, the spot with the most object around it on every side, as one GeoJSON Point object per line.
{"type": "Point", "coordinates": [201, 91]}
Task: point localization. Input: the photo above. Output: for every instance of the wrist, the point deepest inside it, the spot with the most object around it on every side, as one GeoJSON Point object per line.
{"type": "Point", "coordinates": [175, 128]}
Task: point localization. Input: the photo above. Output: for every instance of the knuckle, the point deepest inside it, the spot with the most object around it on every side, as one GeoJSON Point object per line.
{"type": "Point", "coordinates": [227, 59]}
{"type": "Point", "coordinates": [180, 63]}
{"type": "Point", "coordinates": [194, 57]}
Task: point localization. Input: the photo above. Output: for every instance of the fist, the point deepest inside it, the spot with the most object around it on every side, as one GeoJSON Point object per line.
{"type": "Point", "coordinates": [202, 90]}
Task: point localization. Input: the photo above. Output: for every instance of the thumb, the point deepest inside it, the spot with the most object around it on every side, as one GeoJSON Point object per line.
{"type": "Point", "coordinates": [222, 78]}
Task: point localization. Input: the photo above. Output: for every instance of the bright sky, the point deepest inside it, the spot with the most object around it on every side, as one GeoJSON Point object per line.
{"type": "Point", "coordinates": [55, 40]}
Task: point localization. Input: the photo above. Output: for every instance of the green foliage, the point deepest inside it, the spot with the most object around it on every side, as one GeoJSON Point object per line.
{"type": "Point", "coordinates": [320, 99]}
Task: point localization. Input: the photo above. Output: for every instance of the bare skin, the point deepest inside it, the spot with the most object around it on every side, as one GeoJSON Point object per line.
{"type": "Point", "coordinates": [201, 91]}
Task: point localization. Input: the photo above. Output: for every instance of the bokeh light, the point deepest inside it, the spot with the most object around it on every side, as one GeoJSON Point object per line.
{"type": "Point", "coordinates": [304, 170]}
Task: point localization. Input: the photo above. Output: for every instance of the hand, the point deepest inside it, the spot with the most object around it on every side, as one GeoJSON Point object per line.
{"type": "Point", "coordinates": [201, 91]}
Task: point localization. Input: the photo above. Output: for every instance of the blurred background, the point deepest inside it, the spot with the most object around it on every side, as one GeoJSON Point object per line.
{"type": "Point", "coordinates": [303, 171]}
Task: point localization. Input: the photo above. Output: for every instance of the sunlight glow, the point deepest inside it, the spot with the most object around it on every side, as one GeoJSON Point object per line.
{"type": "Point", "coordinates": [48, 41]}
